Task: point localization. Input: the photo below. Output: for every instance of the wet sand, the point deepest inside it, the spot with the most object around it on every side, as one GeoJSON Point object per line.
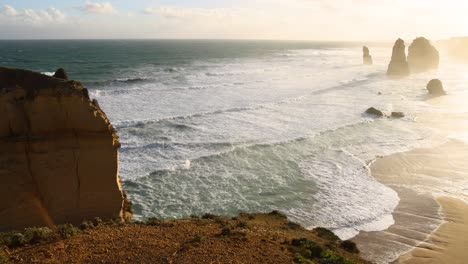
{"type": "Point", "coordinates": [430, 226]}
{"type": "Point", "coordinates": [449, 243]}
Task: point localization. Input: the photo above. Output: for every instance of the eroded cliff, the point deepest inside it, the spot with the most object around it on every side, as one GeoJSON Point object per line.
{"type": "Point", "coordinates": [58, 153]}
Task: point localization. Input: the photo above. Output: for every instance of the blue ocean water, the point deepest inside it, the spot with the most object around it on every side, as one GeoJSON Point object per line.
{"type": "Point", "coordinates": [246, 126]}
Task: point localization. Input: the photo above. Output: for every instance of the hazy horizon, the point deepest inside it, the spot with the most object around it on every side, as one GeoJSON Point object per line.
{"type": "Point", "coordinates": [298, 20]}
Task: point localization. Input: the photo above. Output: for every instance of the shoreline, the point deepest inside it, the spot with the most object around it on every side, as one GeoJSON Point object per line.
{"type": "Point", "coordinates": [426, 223]}
{"type": "Point", "coordinates": [447, 244]}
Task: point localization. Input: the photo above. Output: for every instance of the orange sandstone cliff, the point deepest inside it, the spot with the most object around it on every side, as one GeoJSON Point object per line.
{"type": "Point", "coordinates": [58, 154]}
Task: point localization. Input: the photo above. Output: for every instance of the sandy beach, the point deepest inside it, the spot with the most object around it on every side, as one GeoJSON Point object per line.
{"type": "Point", "coordinates": [429, 222]}
{"type": "Point", "coordinates": [449, 243]}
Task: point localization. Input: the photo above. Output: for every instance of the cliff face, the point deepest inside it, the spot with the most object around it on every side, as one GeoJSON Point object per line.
{"type": "Point", "coordinates": [58, 153]}
{"type": "Point", "coordinates": [398, 65]}
{"type": "Point", "coordinates": [422, 56]}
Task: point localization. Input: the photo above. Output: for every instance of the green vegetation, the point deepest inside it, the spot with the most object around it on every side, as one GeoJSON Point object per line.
{"type": "Point", "coordinates": [209, 216]}
{"type": "Point", "coordinates": [307, 251]}
{"type": "Point", "coordinates": [226, 231]}
{"type": "Point", "coordinates": [198, 238]}
{"type": "Point", "coordinates": [153, 221]}
{"type": "Point", "coordinates": [67, 231]}
{"type": "Point", "coordinates": [33, 235]}
{"type": "Point", "coordinates": [278, 213]}
{"type": "Point", "coordinates": [243, 225]}
{"type": "Point", "coordinates": [325, 234]}
{"type": "Point", "coordinates": [36, 235]}
{"type": "Point", "coordinates": [293, 225]}
{"type": "Point", "coordinates": [86, 225]}
{"type": "Point", "coordinates": [16, 240]}
{"type": "Point", "coordinates": [349, 246]}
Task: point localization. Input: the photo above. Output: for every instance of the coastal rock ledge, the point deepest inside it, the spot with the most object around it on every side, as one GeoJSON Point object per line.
{"type": "Point", "coordinates": [59, 154]}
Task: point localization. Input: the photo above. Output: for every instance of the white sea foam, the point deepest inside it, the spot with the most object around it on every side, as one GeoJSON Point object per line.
{"type": "Point", "coordinates": [48, 73]}
{"type": "Point", "coordinates": [284, 131]}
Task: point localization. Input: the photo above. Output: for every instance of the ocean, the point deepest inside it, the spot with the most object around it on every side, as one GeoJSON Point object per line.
{"type": "Point", "coordinates": [225, 127]}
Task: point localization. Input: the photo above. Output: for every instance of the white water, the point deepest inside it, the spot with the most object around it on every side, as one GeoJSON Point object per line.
{"type": "Point", "coordinates": [284, 131]}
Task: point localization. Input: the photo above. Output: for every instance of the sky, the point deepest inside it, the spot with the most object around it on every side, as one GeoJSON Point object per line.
{"type": "Point", "coordinates": [326, 20]}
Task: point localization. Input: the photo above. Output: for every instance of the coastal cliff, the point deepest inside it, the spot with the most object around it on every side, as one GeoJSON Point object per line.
{"type": "Point", "coordinates": [59, 158]}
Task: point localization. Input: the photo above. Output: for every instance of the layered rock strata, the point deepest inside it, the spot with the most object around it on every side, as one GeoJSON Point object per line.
{"type": "Point", "coordinates": [58, 154]}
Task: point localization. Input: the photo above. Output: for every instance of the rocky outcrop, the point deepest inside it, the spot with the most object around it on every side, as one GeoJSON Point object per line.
{"type": "Point", "coordinates": [435, 87]}
{"type": "Point", "coordinates": [59, 154]}
{"type": "Point", "coordinates": [61, 73]}
{"type": "Point", "coordinates": [375, 112]}
{"type": "Point", "coordinates": [398, 65]}
{"type": "Point", "coordinates": [397, 115]}
{"type": "Point", "coordinates": [366, 56]}
{"type": "Point", "coordinates": [422, 56]}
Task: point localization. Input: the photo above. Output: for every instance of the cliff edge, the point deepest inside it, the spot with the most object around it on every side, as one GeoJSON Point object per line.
{"type": "Point", "coordinates": [59, 154]}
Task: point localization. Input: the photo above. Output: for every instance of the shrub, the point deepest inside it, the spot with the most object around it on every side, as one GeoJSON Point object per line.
{"type": "Point", "coordinates": [117, 221]}
{"type": "Point", "coordinates": [293, 225]}
{"type": "Point", "coordinates": [329, 257]}
{"type": "Point", "coordinates": [278, 213]}
{"type": "Point", "coordinates": [194, 216]}
{"type": "Point", "coordinates": [86, 225]}
{"type": "Point", "coordinates": [67, 231]}
{"type": "Point", "coordinates": [36, 235]}
{"type": "Point", "coordinates": [308, 248]}
{"type": "Point", "coordinates": [97, 221]}
{"type": "Point", "coordinates": [298, 258]}
{"type": "Point", "coordinates": [198, 238]}
{"type": "Point", "coordinates": [349, 246]}
{"type": "Point", "coordinates": [243, 224]}
{"type": "Point", "coordinates": [16, 240]}
{"type": "Point", "coordinates": [251, 217]}
{"type": "Point", "coordinates": [153, 221]}
{"type": "Point", "coordinates": [325, 233]}
{"type": "Point", "coordinates": [226, 232]}
{"type": "Point", "coordinates": [209, 216]}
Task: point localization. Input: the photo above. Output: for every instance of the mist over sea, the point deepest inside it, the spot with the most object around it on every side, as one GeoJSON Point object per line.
{"type": "Point", "coordinates": [247, 126]}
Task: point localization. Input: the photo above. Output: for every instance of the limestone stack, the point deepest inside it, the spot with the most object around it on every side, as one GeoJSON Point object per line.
{"type": "Point", "coordinates": [366, 55]}
{"type": "Point", "coordinates": [398, 66]}
{"type": "Point", "coordinates": [435, 87]}
{"type": "Point", "coordinates": [422, 56]}
{"type": "Point", "coordinates": [58, 154]}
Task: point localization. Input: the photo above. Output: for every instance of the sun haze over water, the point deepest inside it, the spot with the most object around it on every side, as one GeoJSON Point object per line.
{"type": "Point", "coordinates": [253, 19]}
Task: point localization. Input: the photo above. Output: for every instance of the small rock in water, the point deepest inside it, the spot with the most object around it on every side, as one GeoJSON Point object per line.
{"type": "Point", "coordinates": [61, 74]}
{"type": "Point", "coordinates": [435, 87]}
{"type": "Point", "coordinates": [373, 111]}
{"type": "Point", "coordinates": [398, 114]}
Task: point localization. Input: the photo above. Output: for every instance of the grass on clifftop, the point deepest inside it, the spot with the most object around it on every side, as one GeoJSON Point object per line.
{"type": "Point", "coordinates": [247, 238]}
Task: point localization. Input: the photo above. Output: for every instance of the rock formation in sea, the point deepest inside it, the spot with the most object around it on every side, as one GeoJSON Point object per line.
{"type": "Point", "coordinates": [366, 56]}
{"type": "Point", "coordinates": [374, 111]}
{"type": "Point", "coordinates": [59, 154]}
{"type": "Point", "coordinates": [398, 66]}
{"type": "Point", "coordinates": [397, 115]}
{"type": "Point", "coordinates": [422, 56]}
{"type": "Point", "coordinates": [61, 73]}
{"type": "Point", "coordinates": [435, 87]}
